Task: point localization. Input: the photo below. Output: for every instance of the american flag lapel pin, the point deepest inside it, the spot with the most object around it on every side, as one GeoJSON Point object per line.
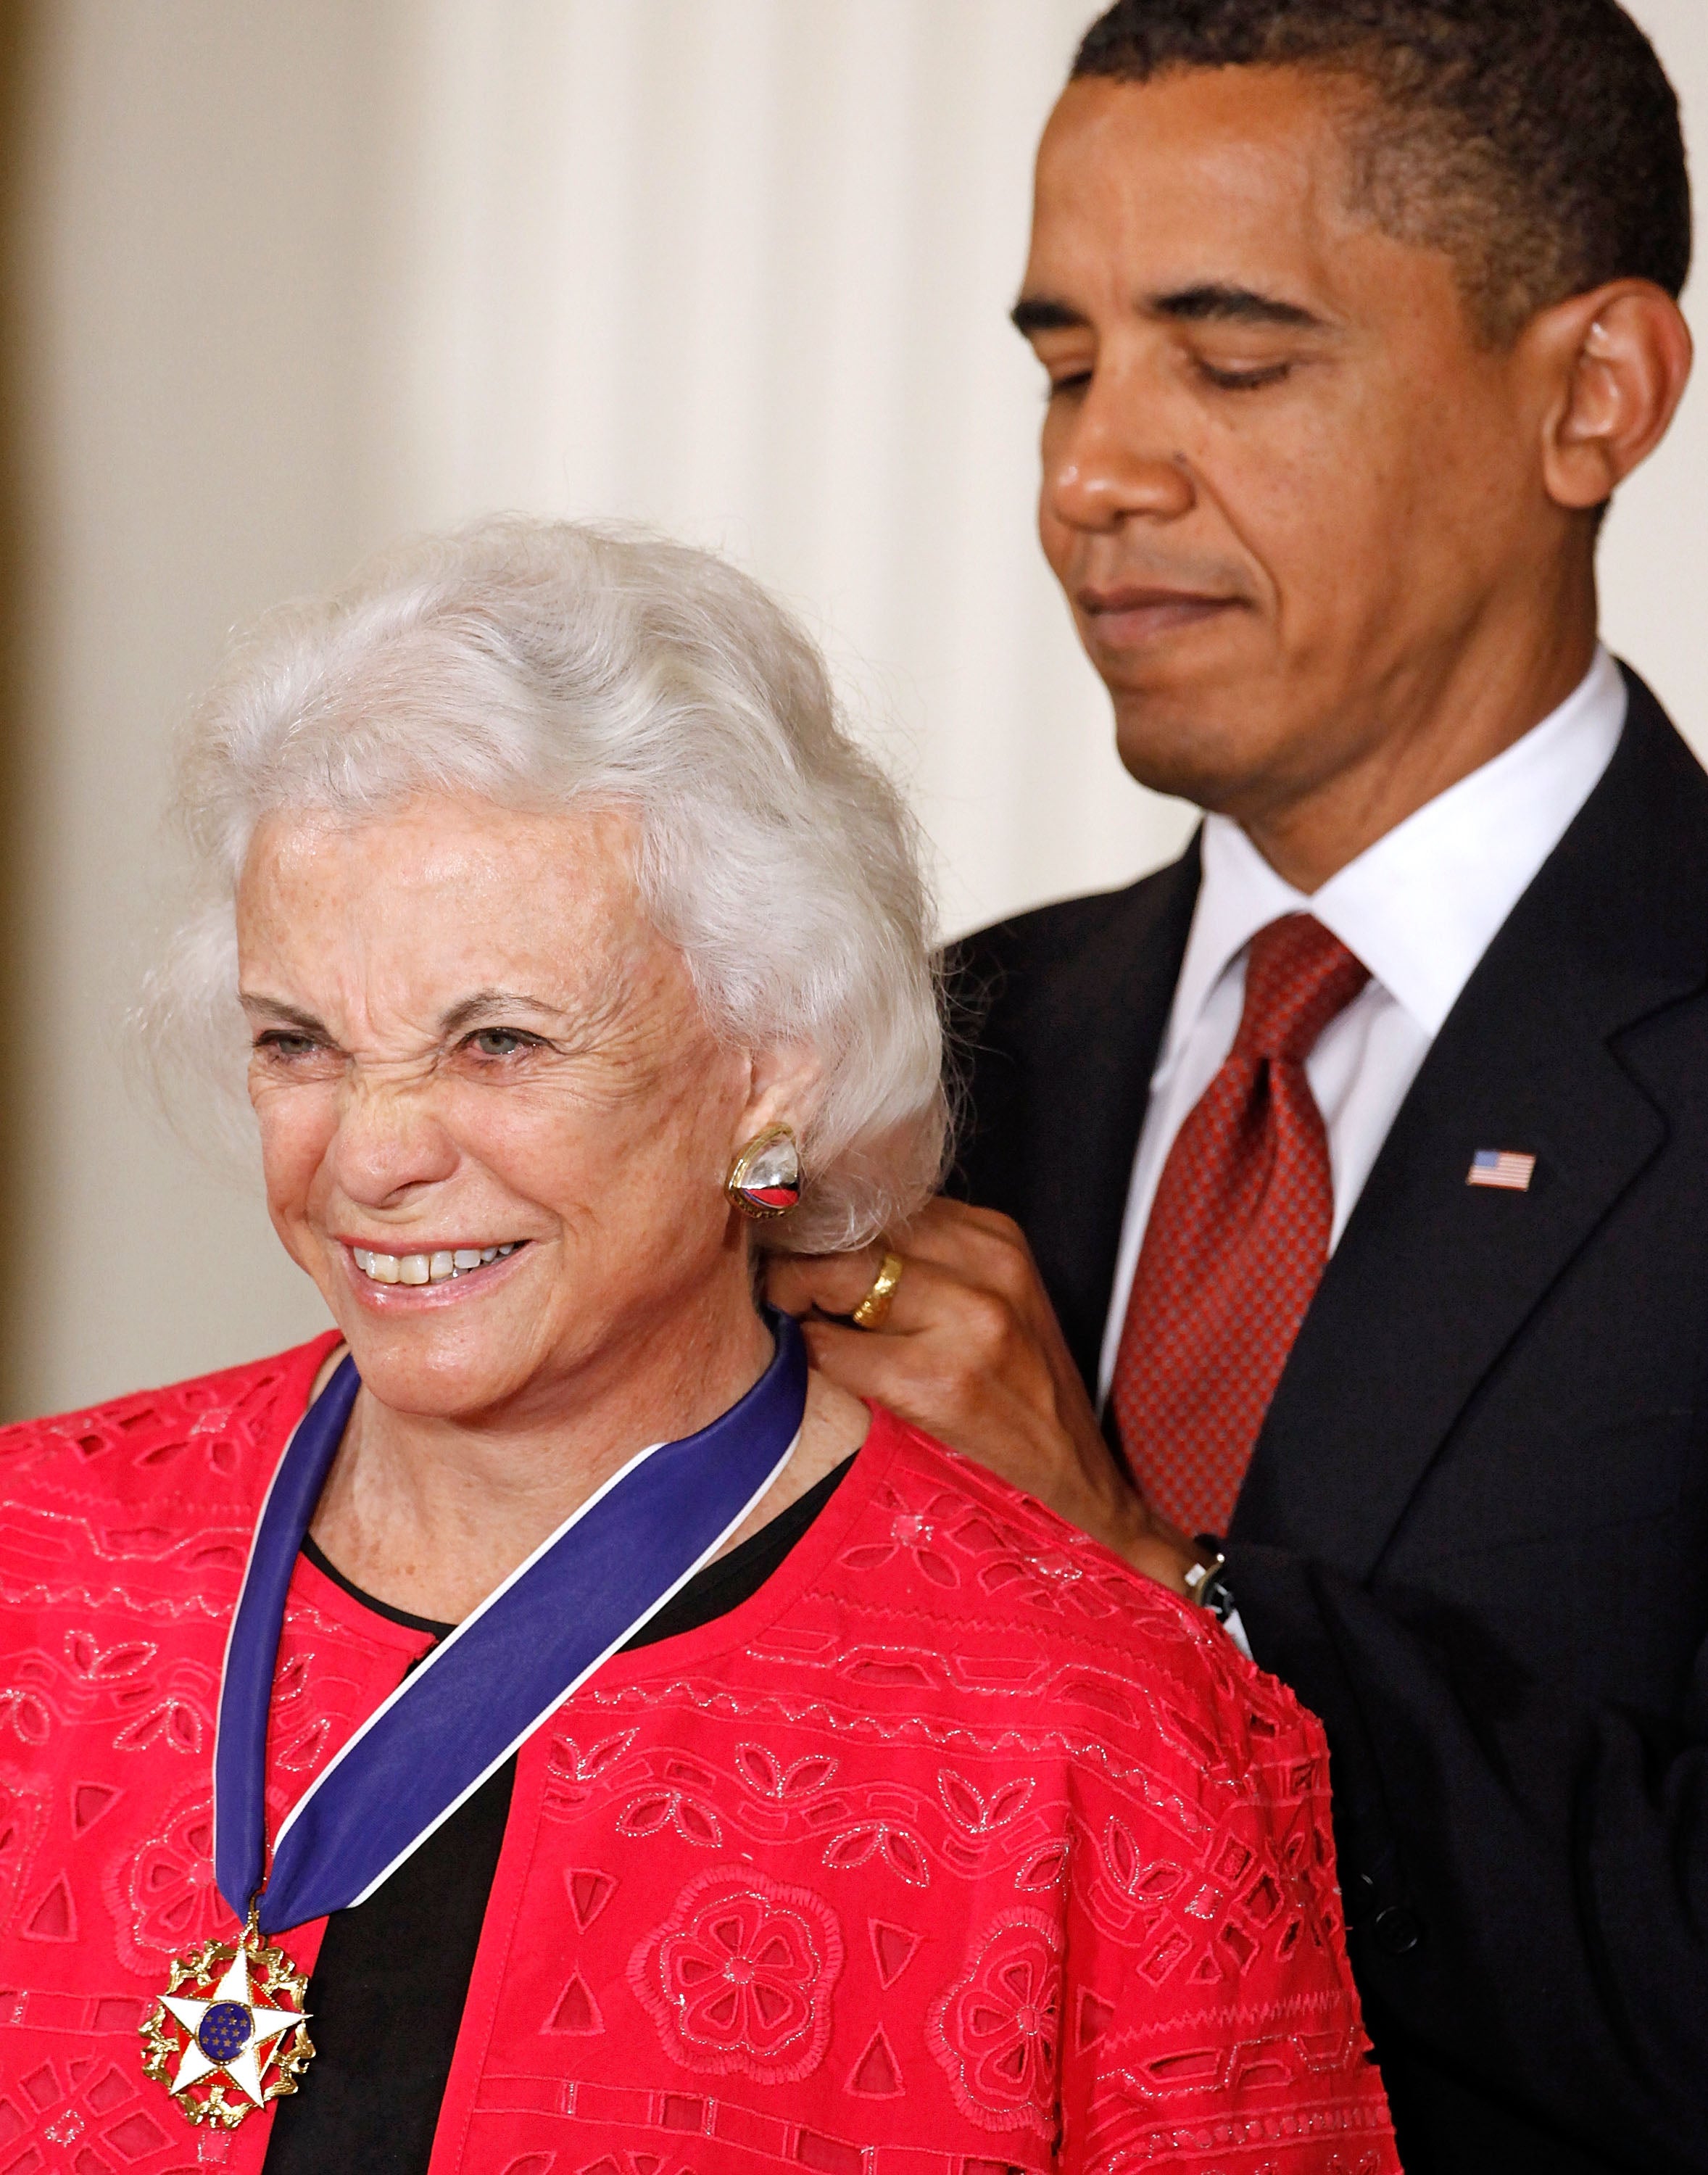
{"type": "Point", "coordinates": [1502, 1167]}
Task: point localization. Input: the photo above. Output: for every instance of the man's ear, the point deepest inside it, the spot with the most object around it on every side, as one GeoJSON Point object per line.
{"type": "Point", "coordinates": [1616, 362]}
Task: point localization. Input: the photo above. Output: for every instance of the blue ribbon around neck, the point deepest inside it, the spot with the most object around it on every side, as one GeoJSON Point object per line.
{"type": "Point", "coordinates": [486, 1687]}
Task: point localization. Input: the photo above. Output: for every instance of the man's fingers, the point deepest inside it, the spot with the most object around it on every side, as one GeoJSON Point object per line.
{"type": "Point", "coordinates": [915, 1377]}
{"type": "Point", "coordinates": [940, 1213]}
{"type": "Point", "coordinates": [833, 1283]}
{"type": "Point", "coordinates": [977, 1245]}
{"type": "Point", "coordinates": [979, 1329]}
{"type": "Point", "coordinates": [924, 1297]}
{"type": "Point", "coordinates": [947, 1230]}
{"type": "Point", "coordinates": [863, 1364]}
{"type": "Point", "coordinates": [973, 1248]}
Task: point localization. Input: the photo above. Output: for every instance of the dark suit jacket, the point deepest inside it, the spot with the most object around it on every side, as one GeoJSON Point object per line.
{"type": "Point", "coordinates": [1474, 1535]}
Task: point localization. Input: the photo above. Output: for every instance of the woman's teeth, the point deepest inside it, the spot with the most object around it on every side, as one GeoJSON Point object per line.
{"type": "Point", "coordinates": [427, 1268]}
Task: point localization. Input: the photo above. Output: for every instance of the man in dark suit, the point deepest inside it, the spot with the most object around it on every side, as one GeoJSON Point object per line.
{"type": "Point", "coordinates": [1363, 1153]}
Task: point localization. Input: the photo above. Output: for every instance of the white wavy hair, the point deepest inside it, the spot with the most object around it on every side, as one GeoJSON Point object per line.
{"type": "Point", "coordinates": [555, 663]}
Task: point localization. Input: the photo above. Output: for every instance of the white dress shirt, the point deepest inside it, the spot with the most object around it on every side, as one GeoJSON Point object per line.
{"type": "Point", "coordinates": [1419, 908]}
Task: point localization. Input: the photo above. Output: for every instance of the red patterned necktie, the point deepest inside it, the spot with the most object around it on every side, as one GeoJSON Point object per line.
{"type": "Point", "coordinates": [1237, 1240]}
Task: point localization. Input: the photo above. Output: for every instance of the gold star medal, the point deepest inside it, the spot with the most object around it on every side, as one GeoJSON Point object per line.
{"type": "Point", "coordinates": [230, 2032]}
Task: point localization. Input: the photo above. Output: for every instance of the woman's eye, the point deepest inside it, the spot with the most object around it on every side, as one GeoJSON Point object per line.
{"type": "Point", "coordinates": [276, 1043]}
{"type": "Point", "coordinates": [500, 1042]}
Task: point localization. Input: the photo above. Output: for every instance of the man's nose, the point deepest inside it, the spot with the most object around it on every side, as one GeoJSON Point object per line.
{"type": "Point", "coordinates": [390, 1140]}
{"type": "Point", "coordinates": [1111, 462]}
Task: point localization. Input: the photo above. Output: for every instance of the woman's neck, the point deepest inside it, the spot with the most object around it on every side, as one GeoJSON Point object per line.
{"type": "Point", "coordinates": [430, 1514]}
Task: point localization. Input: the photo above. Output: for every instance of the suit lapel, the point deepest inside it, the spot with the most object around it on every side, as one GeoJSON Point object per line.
{"type": "Point", "coordinates": [1433, 1277]}
{"type": "Point", "coordinates": [1060, 1104]}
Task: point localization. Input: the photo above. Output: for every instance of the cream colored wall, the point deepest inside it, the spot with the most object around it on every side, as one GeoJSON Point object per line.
{"type": "Point", "coordinates": [199, 255]}
{"type": "Point", "coordinates": [304, 276]}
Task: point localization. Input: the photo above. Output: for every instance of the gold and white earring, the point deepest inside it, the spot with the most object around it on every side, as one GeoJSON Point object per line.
{"type": "Point", "coordinates": [764, 1179]}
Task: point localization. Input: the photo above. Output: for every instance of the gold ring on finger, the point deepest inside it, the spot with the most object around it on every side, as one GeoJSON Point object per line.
{"type": "Point", "coordinates": [873, 1310]}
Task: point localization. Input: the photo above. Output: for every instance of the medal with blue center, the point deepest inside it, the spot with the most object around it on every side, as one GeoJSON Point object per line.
{"type": "Point", "coordinates": [229, 2033]}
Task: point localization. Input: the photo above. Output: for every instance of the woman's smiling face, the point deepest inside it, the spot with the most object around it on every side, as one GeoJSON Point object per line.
{"type": "Point", "coordinates": [468, 1037]}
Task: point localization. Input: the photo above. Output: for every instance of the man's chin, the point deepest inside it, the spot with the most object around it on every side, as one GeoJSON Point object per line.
{"type": "Point", "coordinates": [1198, 751]}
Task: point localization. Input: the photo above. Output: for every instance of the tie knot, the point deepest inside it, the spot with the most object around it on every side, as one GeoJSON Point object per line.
{"type": "Point", "coordinates": [1297, 977]}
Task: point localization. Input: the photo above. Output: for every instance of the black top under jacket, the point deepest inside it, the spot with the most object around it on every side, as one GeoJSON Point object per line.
{"type": "Point", "coordinates": [1474, 1535]}
{"type": "Point", "coordinates": [389, 1984]}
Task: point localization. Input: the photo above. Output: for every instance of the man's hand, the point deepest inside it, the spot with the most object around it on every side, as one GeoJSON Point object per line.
{"type": "Point", "coordinates": [972, 1351]}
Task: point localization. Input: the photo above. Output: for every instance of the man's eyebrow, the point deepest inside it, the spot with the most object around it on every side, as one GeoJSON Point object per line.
{"type": "Point", "coordinates": [1209, 302]}
{"type": "Point", "coordinates": [1037, 313]}
{"type": "Point", "coordinates": [1214, 303]}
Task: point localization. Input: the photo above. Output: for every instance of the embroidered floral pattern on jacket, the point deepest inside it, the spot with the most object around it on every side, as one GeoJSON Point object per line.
{"type": "Point", "coordinates": [740, 1977]}
{"type": "Point", "coordinates": [997, 2032]}
{"type": "Point", "coordinates": [164, 1898]}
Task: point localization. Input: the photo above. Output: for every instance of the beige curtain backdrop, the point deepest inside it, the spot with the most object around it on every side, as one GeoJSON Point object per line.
{"type": "Point", "coordinates": [288, 280]}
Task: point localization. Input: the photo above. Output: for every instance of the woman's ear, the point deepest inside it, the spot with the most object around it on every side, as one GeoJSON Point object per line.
{"type": "Point", "coordinates": [784, 1088]}
{"type": "Point", "coordinates": [1616, 362]}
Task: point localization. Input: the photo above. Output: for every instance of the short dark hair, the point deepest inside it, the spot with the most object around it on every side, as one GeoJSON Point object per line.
{"type": "Point", "coordinates": [1537, 141]}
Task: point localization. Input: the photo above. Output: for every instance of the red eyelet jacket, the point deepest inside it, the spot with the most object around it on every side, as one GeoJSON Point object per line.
{"type": "Point", "coordinates": [957, 1848]}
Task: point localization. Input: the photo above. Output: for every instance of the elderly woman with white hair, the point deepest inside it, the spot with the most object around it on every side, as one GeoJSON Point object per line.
{"type": "Point", "coordinates": [539, 1725]}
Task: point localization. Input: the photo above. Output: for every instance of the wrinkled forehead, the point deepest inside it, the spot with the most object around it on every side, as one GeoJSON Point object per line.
{"type": "Point", "coordinates": [593, 844]}
{"type": "Point", "coordinates": [412, 911]}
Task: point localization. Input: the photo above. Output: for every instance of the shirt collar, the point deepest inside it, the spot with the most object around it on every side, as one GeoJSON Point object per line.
{"type": "Point", "coordinates": [1423, 904]}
